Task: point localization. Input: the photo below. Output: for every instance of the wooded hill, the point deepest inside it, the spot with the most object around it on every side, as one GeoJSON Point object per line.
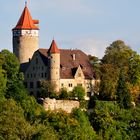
{"type": "Point", "coordinates": [115, 106]}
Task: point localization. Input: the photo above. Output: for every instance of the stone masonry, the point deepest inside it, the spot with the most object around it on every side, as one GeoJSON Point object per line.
{"type": "Point", "coordinates": [65, 105]}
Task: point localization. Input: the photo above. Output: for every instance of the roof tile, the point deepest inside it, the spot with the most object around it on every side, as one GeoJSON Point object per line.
{"type": "Point", "coordinates": [53, 48]}
{"type": "Point", "coordinates": [26, 21]}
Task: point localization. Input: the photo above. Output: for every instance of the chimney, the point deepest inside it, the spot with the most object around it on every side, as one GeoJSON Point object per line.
{"type": "Point", "coordinates": [73, 56]}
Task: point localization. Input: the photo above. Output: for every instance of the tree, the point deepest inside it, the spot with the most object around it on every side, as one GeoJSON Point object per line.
{"type": "Point", "coordinates": [14, 78]}
{"type": "Point", "coordinates": [78, 92]}
{"type": "Point", "coordinates": [3, 78]}
{"type": "Point", "coordinates": [123, 93]}
{"type": "Point", "coordinates": [134, 77]}
{"type": "Point", "coordinates": [12, 122]}
{"type": "Point", "coordinates": [108, 84]}
{"type": "Point", "coordinates": [109, 121]}
{"type": "Point", "coordinates": [63, 94]}
{"type": "Point", "coordinates": [116, 56]}
{"type": "Point", "coordinates": [95, 62]}
{"type": "Point", "coordinates": [48, 89]}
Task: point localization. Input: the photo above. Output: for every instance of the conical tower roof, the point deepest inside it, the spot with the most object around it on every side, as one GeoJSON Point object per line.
{"type": "Point", "coordinates": [53, 48]}
{"type": "Point", "coordinates": [26, 21]}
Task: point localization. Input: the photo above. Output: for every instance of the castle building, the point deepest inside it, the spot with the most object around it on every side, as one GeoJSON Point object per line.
{"type": "Point", "coordinates": [65, 67]}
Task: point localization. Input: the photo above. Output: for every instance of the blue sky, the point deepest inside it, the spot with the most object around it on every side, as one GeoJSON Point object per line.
{"type": "Point", "coordinates": [89, 25]}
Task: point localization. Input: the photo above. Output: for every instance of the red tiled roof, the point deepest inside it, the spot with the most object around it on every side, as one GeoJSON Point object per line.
{"type": "Point", "coordinates": [53, 48]}
{"type": "Point", "coordinates": [68, 64]}
{"type": "Point", "coordinates": [26, 21]}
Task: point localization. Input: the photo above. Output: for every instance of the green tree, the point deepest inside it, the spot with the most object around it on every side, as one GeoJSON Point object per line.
{"type": "Point", "coordinates": [134, 77]}
{"type": "Point", "coordinates": [123, 93]}
{"type": "Point", "coordinates": [116, 56]}
{"type": "Point", "coordinates": [64, 94]}
{"type": "Point", "coordinates": [95, 62]}
{"type": "Point", "coordinates": [88, 132]}
{"type": "Point", "coordinates": [108, 84]}
{"type": "Point", "coordinates": [78, 92]}
{"type": "Point", "coordinates": [12, 122]}
{"type": "Point", "coordinates": [14, 83]}
{"type": "Point", "coordinates": [48, 89]}
{"type": "Point", "coordinates": [110, 122]}
{"type": "Point", "coordinates": [3, 78]}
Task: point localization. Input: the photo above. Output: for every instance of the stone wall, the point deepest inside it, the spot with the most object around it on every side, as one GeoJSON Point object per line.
{"type": "Point", "coordinates": [66, 105]}
{"type": "Point", "coordinates": [24, 47]}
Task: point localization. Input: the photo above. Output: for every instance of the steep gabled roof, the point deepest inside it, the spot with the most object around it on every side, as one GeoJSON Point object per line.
{"type": "Point", "coordinates": [26, 21]}
{"type": "Point", "coordinates": [53, 48]}
{"type": "Point", "coordinates": [68, 65]}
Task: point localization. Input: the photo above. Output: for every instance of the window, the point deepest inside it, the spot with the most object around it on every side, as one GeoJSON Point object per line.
{"type": "Point", "coordinates": [34, 75]}
{"type": "Point", "coordinates": [33, 68]}
{"type": "Point", "coordinates": [31, 84]}
{"type": "Point", "coordinates": [45, 74]}
{"type": "Point", "coordinates": [18, 41]}
{"type": "Point", "coordinates": [42, 68]}
{"type": "Point", "coordinates": [62, 85]}
{"type": "Point", "coordinates": [36, 60]}
{"type": "Point", "coordinates": [27, 75]}
{"type": "Point", "coordinates": [38, 84]}
{"type": "Point", "coordinates": [38, 94]}
{"type": "Point", "coordinates": [79, 84]}
{"type": "Point", "coordinates": [42, 75]}
{"type": "Point", "coordinates": [70, 85]}
{"type": "Point", "coordinates": [31, 93]}
{"type": "Point", "coordinates": [31, 75]}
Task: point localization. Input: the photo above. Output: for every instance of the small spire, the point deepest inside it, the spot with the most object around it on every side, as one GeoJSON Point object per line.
{"type": "Point", "coordinates": [53, 48]}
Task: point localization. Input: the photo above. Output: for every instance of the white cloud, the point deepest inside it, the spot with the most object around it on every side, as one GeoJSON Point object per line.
{"type": "Point", "coordinates": [91, 46]}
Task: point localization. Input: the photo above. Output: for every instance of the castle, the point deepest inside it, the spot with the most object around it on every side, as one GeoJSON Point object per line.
{"type": "Point", "coordinates": [65, 67]}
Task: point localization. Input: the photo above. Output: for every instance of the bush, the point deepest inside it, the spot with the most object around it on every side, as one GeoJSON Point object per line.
{"type": "Point", "coordinates": [79, 92]}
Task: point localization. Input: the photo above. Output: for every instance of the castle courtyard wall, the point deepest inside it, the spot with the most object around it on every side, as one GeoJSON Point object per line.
{"type": "Point", "coordinates": [65, 105]}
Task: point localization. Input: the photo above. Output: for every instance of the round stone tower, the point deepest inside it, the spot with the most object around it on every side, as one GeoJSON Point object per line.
{"type": "Point", "coordinates": [54, 64]}
{"type": "Point", "coordinates": [25, 37]}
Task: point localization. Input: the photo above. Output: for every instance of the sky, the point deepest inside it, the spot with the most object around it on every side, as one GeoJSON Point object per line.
{"type": "Point", "coordinates": [89, 25]}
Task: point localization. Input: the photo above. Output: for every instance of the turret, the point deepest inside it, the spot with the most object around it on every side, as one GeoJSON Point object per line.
{"type": "Point", "coordinates": [25, 36]}
{"type": "Point", "coordinates": [54, 64]}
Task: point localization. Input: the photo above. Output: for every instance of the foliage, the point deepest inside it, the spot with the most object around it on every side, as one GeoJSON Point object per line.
{"type": "Point", "coordinates": [3, 79]}
{"type": "Point", "coordinates": [13, 78]}
{"type": "Point", "coordinates": [109, 80]}
{"type": "Point", "coordinates": [92, 101]}
{"type": "Point", "coordinates": [63, 94]}
{"type": "Point", "coordinates": [84, 104]}
{"type": "Point", "coordinates": [96, 66]}
{"type": "Point", "coordinates": [12, 122]}
{"type": "Point", "coordinates": [48, 89]}
{"type": "Point", "coordinates": [21, 117]}
{"type": "Point", "coordinates": [110, 121]}
{"type": "Point", "coordinates": [118, 56]}
{"type": "Point", "coordinates": [123, 93]}
{"type": "Point", "coordinates": [78, 92]}
{"type": "Point", "coordinates": [70, 126]}
{"type": "Point", "coordinates": [134, 77]}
